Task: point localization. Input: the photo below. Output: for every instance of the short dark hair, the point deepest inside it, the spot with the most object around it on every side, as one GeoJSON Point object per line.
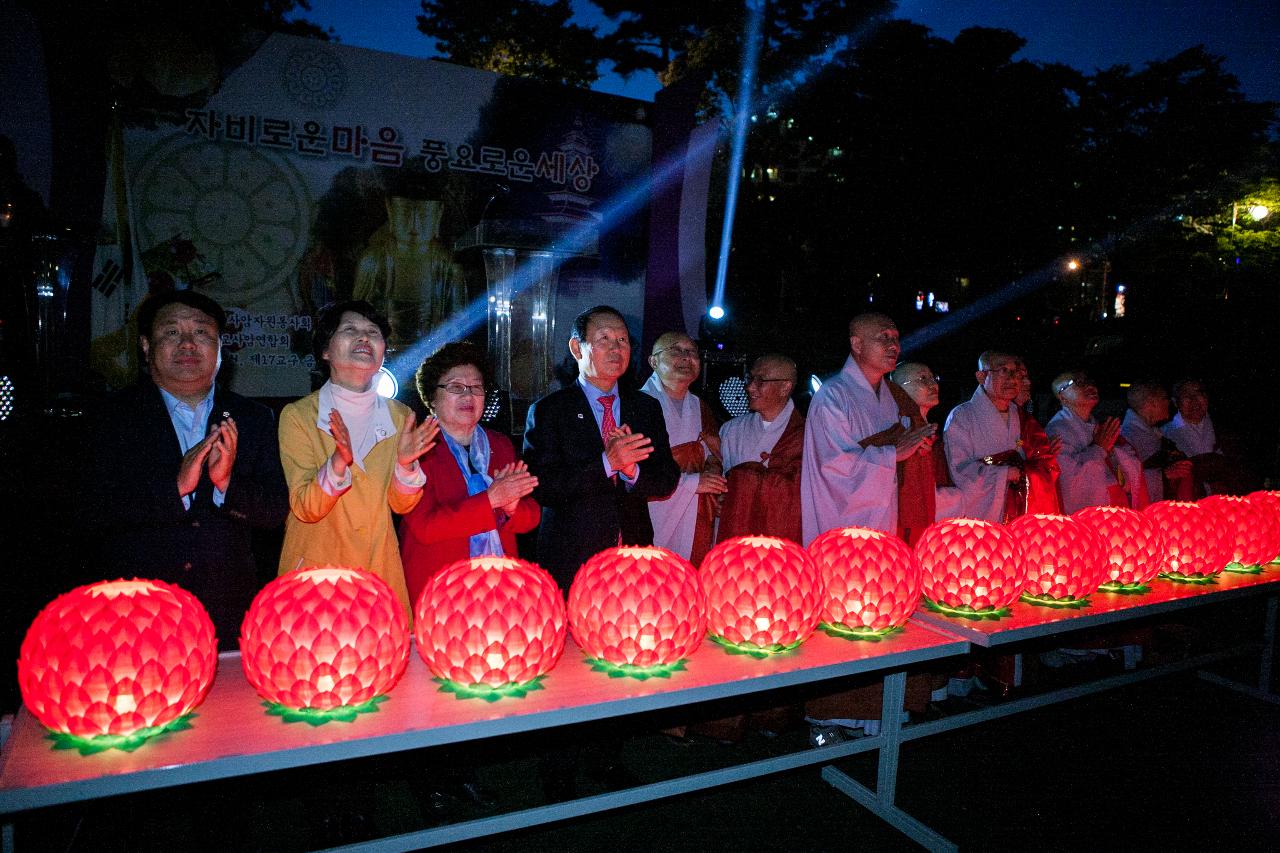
{"type": "Point", "coordinates": [584, 319]}
{"type": "Point", "coordinates": [330, 316]}
{"type": "Point", "coordinates": [449, 356]}
{"type": "Point", "coordinates": [152, 304]}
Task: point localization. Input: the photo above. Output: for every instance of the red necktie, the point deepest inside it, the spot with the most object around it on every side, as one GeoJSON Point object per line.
{"type": "Point", "coordinates": [607, 423]}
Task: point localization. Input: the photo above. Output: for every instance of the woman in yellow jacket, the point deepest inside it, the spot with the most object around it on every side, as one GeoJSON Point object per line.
{"type": "Point", "coordinates": [350, 456]}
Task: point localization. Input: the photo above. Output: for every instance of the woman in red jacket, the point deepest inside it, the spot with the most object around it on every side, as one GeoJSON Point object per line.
{"type": "Point", "coordinates": [477, 494]}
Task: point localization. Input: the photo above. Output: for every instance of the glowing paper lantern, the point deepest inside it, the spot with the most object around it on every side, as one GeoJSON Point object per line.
{"type": "Point", "coordinates": [764, 594]}
{"type": "Point", "coordinates": [490, 627]}
{"type": "Point", "coordinates": [114, 663]}
{"type": "Point", "coordinates": [637, 611]}
{"type": "Point", "coordinates": [1247, 529]}
{"type": "Point", "coordinates": [1195, 548]}
{"type": "Point", "coordinates": [1134, 548]}
{"type": "Point", "coordinates": [1269, 503]}
{"type": "Point", "coordinates": [873, 581]}
{"type": "Point", "coordinates": [971, 568]}
{"type": "Point", "coordinates": [324, 643]}
{"type": "Point", "coordinates": [1065, 559]}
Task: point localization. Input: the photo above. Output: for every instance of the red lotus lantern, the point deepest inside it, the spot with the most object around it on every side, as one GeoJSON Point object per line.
{"type": "Point", "coordinates": [637, 611]}
{"type": "Point", "coordinates": [490, 627]}
{"type": "Point", "coordinates": [1134, 548]}
{"type": "Point", "coordinates": [1065, 559]}
{"type": "Point", "coordinates": [873, 582]}
{"type": "Point", "coordinates": [972, 568]}
{"type": "Point", "coordinates": [1269, 503]}
{"type": "Point", "coordinates": [1247, 529]}
{"type": "Point", "coordinates": [111, 664]}
{"type": "Point", "coordinates": [764, 594]}
{"type": "Point", "coordinates": [1195, 548]}
{"type": "Point", "coordinates": [324, 643]}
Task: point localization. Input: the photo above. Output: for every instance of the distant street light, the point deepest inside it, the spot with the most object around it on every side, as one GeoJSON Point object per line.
{"type": "Point", "coordinates": [1073, 265]}
{"type": "Point", "coordinates": [1257, 212]}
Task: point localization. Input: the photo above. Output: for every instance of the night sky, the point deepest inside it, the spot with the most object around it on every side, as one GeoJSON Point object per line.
{"type": "Point", "coordinates": [1085, 34]}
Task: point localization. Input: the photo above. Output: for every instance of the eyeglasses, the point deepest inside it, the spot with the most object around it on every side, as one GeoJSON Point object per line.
{"type": "Point", "coordinates": [759, 380]}
{"type": "Point", "coordinates": [679, 352]}
{"type": "Point", "coordinates": [458, 389]}
{"type": "Point", "coordinates": [924, 380]}
{"type": "Point", "coordinates": [1079, 383]}
{"type": "Point", "coordinates": [1004, 371]}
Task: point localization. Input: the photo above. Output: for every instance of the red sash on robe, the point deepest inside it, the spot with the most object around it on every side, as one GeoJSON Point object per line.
{"type": "Point", "coordinates": [691, 459]}
{"type": "Point", "coordinates": [1041, 471]}
{"type": "Point", "coordinates": [916, 475]}
{"type": "Point", "coordinates": [765, 501]}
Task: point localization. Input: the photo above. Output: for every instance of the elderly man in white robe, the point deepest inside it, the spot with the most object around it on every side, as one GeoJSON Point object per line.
{"type": "Point", "coordinates": [1161, 459]}
{"type": "Point", "coordinates": [1098, 467]}
{"type": "Point", "coordinates": [683, 521]}
{"type": "Point", "coordinates": [983, 440]}
{"type": "Point", "coordinates": [857, 431]}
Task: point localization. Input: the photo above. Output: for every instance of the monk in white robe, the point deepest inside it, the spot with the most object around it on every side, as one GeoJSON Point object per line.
{"type": "Point", "coordinates": [983, 440]}
{"type": "Point", "coordinates": [684, 520]}
{"type": "Point", "coordinates": [855, 436]}
{"type": "Point", "coordinates": [1098, 466]}
{"type": "Point", "coordinates": [1162, 462]}
{"type": "Point", "coordinates": [761, 453]}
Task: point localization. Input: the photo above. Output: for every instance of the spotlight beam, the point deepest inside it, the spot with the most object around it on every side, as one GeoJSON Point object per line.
{"type": "Point", "coordinates": [750, 59]}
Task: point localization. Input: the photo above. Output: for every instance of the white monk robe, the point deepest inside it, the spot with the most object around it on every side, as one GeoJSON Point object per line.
{"type": "Point", "coordinates": [675, 517]}
{"type": "Point", "coordinates": [1192, 439]}
{"type": "Point", "coordinates": [746, 437]}
{"type": "Point", "coordinates": [1146, 442]}
{"type": "Point", "coordinates": [1087, 471]}
{"type": "Point", "coordinates": [976, 428]}
{"type": "Point", "coordinates": [842, 483]}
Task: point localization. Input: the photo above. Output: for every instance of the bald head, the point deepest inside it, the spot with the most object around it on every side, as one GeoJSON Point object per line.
{"type": "Point", "coordinates": [676, 361]}
{"type": "Point", "coordinates": [769, 387]}
{"type": "Point", "coordinates": [919, 382]}
{"type": "Point", "coordinates": [1149, 401]}
{"type": "Point", "coordinates": [873, 343]}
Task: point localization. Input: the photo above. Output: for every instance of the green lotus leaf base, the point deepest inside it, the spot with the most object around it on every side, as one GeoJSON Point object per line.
{"type": "Point", "coordinates": [640, 673]}
{"type": "Point", "coordinates": [1201, 579]}
{"type": "Point", "coordinates": [758, 652]}
{"type": "Point", "coordinates": [128, 743]}
{"type": "Point", "coordinates": [964, 611]}
{"type": "Point", "coordinates": [488, 693]}
{"type": "Point", "coordinates": [1061, 603]}
{"type": "Point", "coordinates": [317, 717]}
{"type": "Point", "coordinates": [1243, 568]}
{"type": "Point", "coordinates": [870, 635]}
{"type": "Point", "coordinates": [1125, 588]}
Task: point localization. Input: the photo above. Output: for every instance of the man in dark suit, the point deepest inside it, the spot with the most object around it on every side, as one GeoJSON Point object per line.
{"type": "Point", "coordinates": [599, 452]}
{"type": "Point", "coordinates": [181, 470]}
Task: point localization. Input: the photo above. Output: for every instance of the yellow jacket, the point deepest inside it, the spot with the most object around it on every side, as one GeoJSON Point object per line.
{"type": "Point", "coordinates": [353, 529]}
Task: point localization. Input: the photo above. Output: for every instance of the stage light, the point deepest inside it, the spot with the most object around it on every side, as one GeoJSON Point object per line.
{"type": "Point", "coordinates": [324, 643]}
{"type": "Point", "coordinates": [387, 385]}
{"type": "Point", "coordinates": [637, 611]}
{"type": "Point", "coordinates": [716, 312]}
{"type": "Point", "coordinates": [972, 568]}
{"type": "Point", "coordinates": [111, 664]}
{"type": "Point", "coordinates": [489, 627]}
{"type": "Point", "coordinates": [764, 594]}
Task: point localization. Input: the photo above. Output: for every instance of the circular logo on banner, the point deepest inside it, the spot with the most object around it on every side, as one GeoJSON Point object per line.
{"type": "Point", "coordinates": [246, 211]}
{"type": "Point", "coordinates": [314, 77]}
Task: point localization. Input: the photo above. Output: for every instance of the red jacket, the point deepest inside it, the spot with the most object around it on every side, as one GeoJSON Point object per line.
{"type": "Point", "coordinates": [436, 532]}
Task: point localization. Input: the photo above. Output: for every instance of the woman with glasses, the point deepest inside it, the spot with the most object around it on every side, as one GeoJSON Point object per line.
{"type": "Point", "coordinates": [350, 456]}
{"type": "Point", "coordinates": [477, 495]}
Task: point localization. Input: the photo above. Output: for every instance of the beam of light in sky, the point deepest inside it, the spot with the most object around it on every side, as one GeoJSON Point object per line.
{"type": "Point", "coordinates": [621, 205]}
{"type": "Point", "coordinates": [741, 123]}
